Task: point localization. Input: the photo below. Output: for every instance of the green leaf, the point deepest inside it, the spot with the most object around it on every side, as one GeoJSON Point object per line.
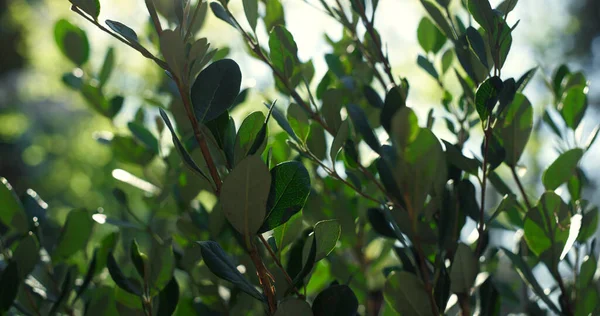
{"type": "Point", "coordinates": [139, 259]}
{"type": "Point", "coordinates": [168, 298]}
{"type": "Point", "coordinates": [248, 132]}
{"type": "Point", "coordinates": [589, 225]}
{"type": "Point", "coordinates": [107, 67]}
{"type": "Point", "coordinates": [289, 190]}
{"type": "Point", "coordinates": [219, 263]}
{"type": "Point", "coordinates": [372, 97]}
{"type": "Point", "coordinates": [129, 285]}
{"type": "Point", "coordinates": [477, 44]}
{"type": "Point", "coordinates": [215, 89]}
{"type": "Point", "coordinates": [27, 255]}
{"type": "Point", "coordinates": [574, 105]}
{"type": "Point", "coordinates": [293, 307]}
{"type": "Point", "coordinates": [274, 14]}
{"type": "Point", "coordinates": [394, 100]}
{"type": "Point", "coordinates": [220, 13]}
{"type": "Point", "coordinates": [144, 136]}
{"type": "Point", "coordinates": [406, 294]}
{"type": "Point", "coordinates": [456, 158]}
{"type": "Point", "coordinates": [500, 40]}
{"type": "Point", "coordinates": [514, 128]}
{"type": "Point", "coordinates": [524, 80]}
{"type": "Point", "coordinates": [545, 226]}
{"type": "Point", "coordinates": [298, 119]}
{"type": "Point", "coordinates": [173, 48]}
{"type": "Point", "coordinates": [482, 13]}
{"type": "Point", "coordinates": [185, 156]}
{"type": "Point", "coordinates": [87, 280]}
{"type": "Point", "coordinates": [283, 51]}
{"type": "Point", "coordinates": [72, 42]}
{"type": "Point", "coordinates": [326, 233]}
{"type": "Point", "coordinates": [487, 96]}
{"type": "Point", "coordinates": [10, 286]}
{"type": "Point", "coordinates": [447, 59]}
{"type": "Point", "coordinates": [316, 142]}
{"type": "Point", "coordinates": [162, 265]}
{"type": "Point", "coordinates": [588, 270]}
{"type": "Point", "coordinates": [437, 15]}
{"type": "Point", "coordinates": [405, 127]}
{"type": "Point", "coordinates": [527, 275]}
{"type": "Point", "coordinates": [561, 170]}
{"type": "Point", "coordinates": [361, 123]}
{"type": "Point", "coordinates": [507, 6]}
{"type": "Point", "coordinates": [244, 195]}
{"type": "Point", "coordinates": [463, 272]}
{"type": "Point", "coordinates": [283, 123]}
{"type": "Point", "coordinates": [91, 7]}
{"type": "Point", "coordinates": [426, 65]}
{"type": "Point", "coordinates": [251, 11]}
{"type": "Point", "coordinates": [429, 36]}
{"type": "Point", "coordinates": [123, 30]}
{"type": "Point", "coordinates": [74, 235]}
{"type": "Point", "coordinates": [12, 214]}
{"type": "Point", "coordinates": [490, 298]}
{"type": "Point", "coordinates": [338, 299]}
{"type": "Point", "coordinates": [339, 140]}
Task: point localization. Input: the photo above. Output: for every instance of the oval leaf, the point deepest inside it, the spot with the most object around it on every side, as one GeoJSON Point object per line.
{"type": "Point", "coordinates": [215, 89]}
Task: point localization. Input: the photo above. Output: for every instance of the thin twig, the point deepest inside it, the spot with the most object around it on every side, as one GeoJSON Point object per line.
{"type": "Point", "coordinates": [278, 263]}
{"type": "Point", "coordinates": [263, 277]}
{"type": "Point", "coordinates": [486, 143]}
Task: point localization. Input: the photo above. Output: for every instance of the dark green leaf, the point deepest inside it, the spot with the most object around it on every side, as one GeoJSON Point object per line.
{"type": "Point", "coordinates": [65, 290]}
{"type": "Point", "coordinates": [463, 272]}
{"type": "Point", "coordinates": [27, 255]}
{"type": "Point", "coordinates": [298, 119]}
{"type": "Point", "coordinates": [283, 51]}
{"type": "Point", "coordinates": [10, 286]}
{"type": "Point", "coordinates": [482, 13]}
{"type": "Point", "coordinates": [561, 73]}
{"type": "Point", "coordinates": [123, 30]}
{"type": "Point", "coordinates": [337, 299]}
{"type": "Point", "coordinates": [507, 6]}
{"type": "Point", "coordinates": [491, 300]}
{"type": "Point", "coordinates": [72, 42]}
{"type": "Point", "coordinates": [185, 156]}
{"type": "Point", "coordinates": [372, 97]}
{"type": "Point", "coordinates": [283, 123]}
{"type": "Point", "coordinates": [293, 307]}
{"type": "Point", "coordinates": [129, 285]}
{"type": "Point", "coordinates": [514, 128]}
{"type": "Point", "coordinates": [394, 100]}
{"type": "Point", "coordinates": [12, 214]}
{"type": "Point", "coordinates": [406, 294]}
{"type": "Point", "coordinates": [251, 11]}
{"type": "Point", "coordinates": [437, 15]}
{"type": "Point", "coordinates": [447, 59]}
{"type": "Point", "coordinates": [561, 169]}
{"type": "Point", "coordinates": [89, 276]}
{"type": "Point", "coordinates": [168, 298]}
{"type": "Point", "coordinates": [246, 136]}
{"type": "Point", "coordinates": [361, 123]}
{"type": "Point", "coordinates": [339, 140]}
{"type": "Point", "coordinates": [144, 135]}
{"type": "Point", "coordinates": [139, 259]}
{"type": "Point", "coordinates": [220, 13]}
{"type": "Point", "coordinates": [487, 96]}
{"type": "Point", "coordinates": [379, 223]}
{"type": "Point", "coordinates": [215, 89]}
{"type": "Point", "coordinates": [244, 195]}
{"type": "Point", "coordinates": [524, 80]}
{"type": "Point", "coordinates": [107, 66]}
{"type": "Point", "coordinates": [91, 7]}
{"type": "Point", "coordinates": [477, 44]}
{"type": "Point", "coordinates": [527, 275]}
{"type": "Point", "coordinates": [221, 265]}
{"type": "Point", "coordinates": [426, 65]}
{"type": "Point", "coordinates": [289, 190]}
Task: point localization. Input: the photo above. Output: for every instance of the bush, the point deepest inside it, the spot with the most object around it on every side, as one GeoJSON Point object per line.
{"type": "Point", "coordinates": [293, 217]}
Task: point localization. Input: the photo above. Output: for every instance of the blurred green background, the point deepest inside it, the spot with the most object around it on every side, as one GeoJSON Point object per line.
{"type": "Point", "coordinates": [47, 131]}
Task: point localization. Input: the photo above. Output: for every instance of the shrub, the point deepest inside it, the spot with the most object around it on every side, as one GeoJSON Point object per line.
{"type": "Point", "coordinates": [296, 219]}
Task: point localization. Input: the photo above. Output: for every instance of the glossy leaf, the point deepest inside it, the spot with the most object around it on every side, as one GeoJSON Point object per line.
{"type": "Point", "coordinates": [487, 96]}
{"type": "Point", "coordinates": [477, 44]}
{"type": "Point", "coordinates": [283, 51]}
{"type": "Point", "coordinates": [289, 190]}
{"type": "Point", "coordinates": [244, 195]}
{"type": "Point", "coordinates": [221, 265]}
{"type": "Point", "coordinates": [220, 13]}
{"type": "Point", "coordinates": [248, 132]}
{"type": "Point", "coordinates": [544, 226]}
{"type": "Point", "coordinates": [123, 30]}
{"type": "Point", "coordinates": [562, 169]}
{"type": "Point", "coordinates": [215, 89]}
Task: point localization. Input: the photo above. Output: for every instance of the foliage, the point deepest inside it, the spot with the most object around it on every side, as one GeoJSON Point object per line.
{"type": "Point", "coordinates": [284, 220]}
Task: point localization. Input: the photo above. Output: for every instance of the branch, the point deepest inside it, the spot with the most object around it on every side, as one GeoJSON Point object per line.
{"type": "Point", "coordinates": [278, 263]}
